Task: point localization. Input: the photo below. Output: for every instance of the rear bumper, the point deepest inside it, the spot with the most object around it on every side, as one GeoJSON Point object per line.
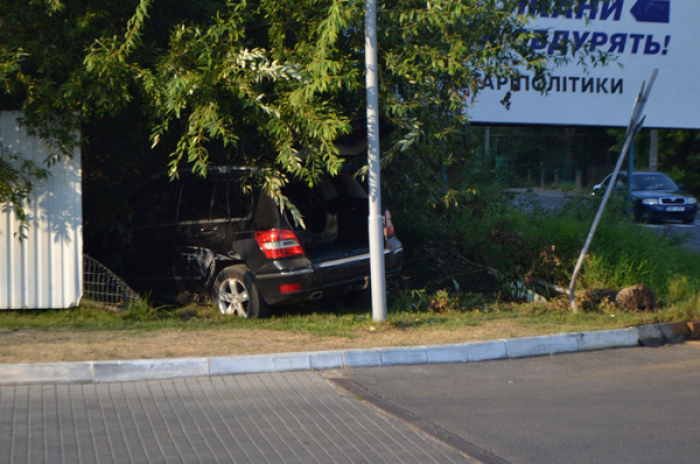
{"type": "Point", "coordinates": [336, 275]}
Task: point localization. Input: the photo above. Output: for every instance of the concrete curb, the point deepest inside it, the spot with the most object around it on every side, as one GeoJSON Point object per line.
{"type": "Point", "coordinates": [160, 369]}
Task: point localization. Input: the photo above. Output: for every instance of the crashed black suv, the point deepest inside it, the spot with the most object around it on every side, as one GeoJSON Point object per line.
{"type": "Point", "coordinates": [201, 237]}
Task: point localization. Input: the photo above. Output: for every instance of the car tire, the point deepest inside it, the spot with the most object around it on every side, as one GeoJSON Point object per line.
{"type": "Point", "coordinates": [234, 292]}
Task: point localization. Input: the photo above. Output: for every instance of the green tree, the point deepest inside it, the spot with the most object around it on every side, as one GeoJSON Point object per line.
{"type": "Point", "coordinates": [42, 48]}
{"type": "Point", "coordinates": [679, 156]}
{"type": "Point", "coordinates": [271, 82]}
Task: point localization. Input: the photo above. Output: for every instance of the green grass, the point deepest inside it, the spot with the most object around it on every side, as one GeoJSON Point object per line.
{"type": "Point", "coordinates": [337, 320]}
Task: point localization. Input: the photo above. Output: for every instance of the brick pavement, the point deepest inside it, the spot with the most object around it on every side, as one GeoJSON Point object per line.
{"type": "Point", "coordinates": [294, 417]}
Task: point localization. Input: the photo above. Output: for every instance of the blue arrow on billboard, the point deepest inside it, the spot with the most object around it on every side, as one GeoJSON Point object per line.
{"type": "Point", "coordinates": [652, 11]}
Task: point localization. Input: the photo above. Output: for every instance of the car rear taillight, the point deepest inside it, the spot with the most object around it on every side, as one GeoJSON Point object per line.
{"type": "Point", "coordinates": [389, 230]}
{"type": "Point", "coordinates": [290, 288]}
{"type": "Point", "coordinates": [278, 243]}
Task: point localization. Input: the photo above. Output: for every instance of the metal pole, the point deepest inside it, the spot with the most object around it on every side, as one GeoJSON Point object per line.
{"type": "Point", "coordinates": [636, 122]}
{"type": "Point", "coordinates": [375, 220]}
{"type": "Point", "coordinates": [654, 150]}
{"type": "Point", "coordinates": [594, 227]}
{"type": "Point", "coordinates": [630, 171]}
{"type": "Point", "coordinates": [487, 143]}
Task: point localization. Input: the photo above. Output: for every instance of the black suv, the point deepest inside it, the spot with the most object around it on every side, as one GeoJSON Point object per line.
{"type": "Point", "coordinates": [209, 236]}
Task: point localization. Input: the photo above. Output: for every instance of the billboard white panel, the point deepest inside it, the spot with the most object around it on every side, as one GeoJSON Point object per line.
{"type": "Point", "coordinates": [45, 269]}
{"type": "Point", "coordinates": [639, 35]}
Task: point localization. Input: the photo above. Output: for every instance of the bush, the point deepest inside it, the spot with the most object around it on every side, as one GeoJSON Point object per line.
{"type": "Point", "coordinates": [481, 224]}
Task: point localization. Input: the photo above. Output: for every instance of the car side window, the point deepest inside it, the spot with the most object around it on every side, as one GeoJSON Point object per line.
{"type": "Point", "coordinates": [195, 200]}
{"type": "Point", "coordinates": [219, 206]}
{"type": "Point", "coordinates": [218, 200]}
{"type": "Point", "coordinates": [240, 202]}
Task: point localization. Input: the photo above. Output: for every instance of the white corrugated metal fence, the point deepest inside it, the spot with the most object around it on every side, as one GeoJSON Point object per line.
{"type": "Point", "coordinates": [45, 269]}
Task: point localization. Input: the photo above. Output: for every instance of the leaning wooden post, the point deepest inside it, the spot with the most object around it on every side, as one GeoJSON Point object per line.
{"type": "Point", "coordinates": [635, 125]}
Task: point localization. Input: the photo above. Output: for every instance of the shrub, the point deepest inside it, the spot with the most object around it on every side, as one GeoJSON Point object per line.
{"type": "Point", "coordinates": [482, 224]}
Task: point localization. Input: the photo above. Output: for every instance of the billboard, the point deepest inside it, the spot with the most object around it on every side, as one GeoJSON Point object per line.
{"type": "Point", "coordinates": [638, 36]}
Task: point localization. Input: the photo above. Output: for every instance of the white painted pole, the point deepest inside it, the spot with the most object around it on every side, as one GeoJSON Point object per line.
{"type": "Point", "coordinates": [375, 222]}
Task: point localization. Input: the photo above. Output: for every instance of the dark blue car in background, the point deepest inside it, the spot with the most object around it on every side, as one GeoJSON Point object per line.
{"type": "Point", "coordinates": [655, 197]}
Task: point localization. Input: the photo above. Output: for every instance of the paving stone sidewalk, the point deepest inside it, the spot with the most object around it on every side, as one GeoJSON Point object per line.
{"type": "Point", "coordinates": [293, 417]}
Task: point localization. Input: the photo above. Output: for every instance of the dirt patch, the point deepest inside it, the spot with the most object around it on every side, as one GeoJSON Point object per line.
{"type": "Point", "coordinates": [29, 346]}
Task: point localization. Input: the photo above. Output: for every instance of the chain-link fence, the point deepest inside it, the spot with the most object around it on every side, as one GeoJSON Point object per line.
{"type": "Point", "coordinates": [103, 286]}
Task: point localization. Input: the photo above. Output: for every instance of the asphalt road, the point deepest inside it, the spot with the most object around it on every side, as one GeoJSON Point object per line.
{"type": "Point", "coordinates": [547, 199]}
{"type": "Point", "coordinates": [632, 405]}
{"type": "Point", "coordinates": [689, 234]}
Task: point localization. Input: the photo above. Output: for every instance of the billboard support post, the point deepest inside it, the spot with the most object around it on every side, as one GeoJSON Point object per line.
{"type": "Point", "coordinates": [654, 150]}
{"type": "Point", "coordinates": [635, 125]}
